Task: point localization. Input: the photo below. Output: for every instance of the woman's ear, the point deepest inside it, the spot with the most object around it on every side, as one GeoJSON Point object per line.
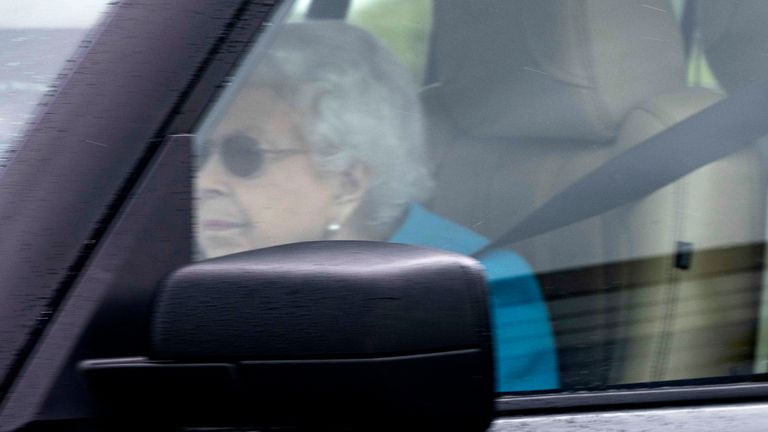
{"type": "Point", "coordinates": [351, 187]}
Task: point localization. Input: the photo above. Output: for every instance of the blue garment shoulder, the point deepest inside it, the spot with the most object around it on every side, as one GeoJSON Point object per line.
{"type": "Point", "coordinates": [524, 345]}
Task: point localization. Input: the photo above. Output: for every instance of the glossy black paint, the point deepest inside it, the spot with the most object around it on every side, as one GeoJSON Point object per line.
{"type": "Point", "coordinates": [94, 137]}
{"type": "Point", "coordinates": [326, 299]}
{"type": "Point", "coordinates": [90, 141]}
{"type": "Point", "coordinates": [107, 311]}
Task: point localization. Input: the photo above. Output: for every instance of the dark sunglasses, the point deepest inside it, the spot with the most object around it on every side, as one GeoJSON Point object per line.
{"type": "Point", "coordinates": [242, 155]}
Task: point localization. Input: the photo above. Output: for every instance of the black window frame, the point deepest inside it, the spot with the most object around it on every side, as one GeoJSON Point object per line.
{"type": "Point", "coordinates": [95, 139]}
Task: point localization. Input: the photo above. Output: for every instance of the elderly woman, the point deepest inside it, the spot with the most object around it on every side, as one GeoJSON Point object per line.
{"type": "Point", "coordinates": [325, 140]}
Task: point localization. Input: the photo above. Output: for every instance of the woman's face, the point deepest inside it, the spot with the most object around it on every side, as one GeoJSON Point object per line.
{"type": "Point", "coordinates": [286, 201]}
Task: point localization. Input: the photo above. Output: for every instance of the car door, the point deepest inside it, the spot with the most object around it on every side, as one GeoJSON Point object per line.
{"type": "Point", "coordinates": [126, 108]}
{"type": "Point", "coordinates": [96, 200]}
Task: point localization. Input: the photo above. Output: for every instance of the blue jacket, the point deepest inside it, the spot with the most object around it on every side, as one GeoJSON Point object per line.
{"type": "Point", "coordinates": [523, 342]}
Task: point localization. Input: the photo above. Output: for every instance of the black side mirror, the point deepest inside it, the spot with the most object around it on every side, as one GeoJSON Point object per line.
{"type": "Point", "coordinates": [364, 335]}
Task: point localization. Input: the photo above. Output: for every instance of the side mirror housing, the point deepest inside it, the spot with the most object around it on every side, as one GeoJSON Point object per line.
{"type": "Point", "coordinates": [332, 334]}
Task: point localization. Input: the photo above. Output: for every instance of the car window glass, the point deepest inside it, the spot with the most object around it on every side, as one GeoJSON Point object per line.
{"type": "Point", "coordinates": [403, 26]}
{"type": "Point", "coordinates": [444, 124]}
{"type": "Point", "coordinates": [299, 10]}
{"type": "Point", "coordinates": [37, 37]}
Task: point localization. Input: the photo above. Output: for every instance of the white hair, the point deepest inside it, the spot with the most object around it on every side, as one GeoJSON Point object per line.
{"type": "Point", "coordinates": [363, 109]}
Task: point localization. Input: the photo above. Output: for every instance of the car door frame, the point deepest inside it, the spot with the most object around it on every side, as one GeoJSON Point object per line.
{"type": "Point", "coordinates": [96, 136]}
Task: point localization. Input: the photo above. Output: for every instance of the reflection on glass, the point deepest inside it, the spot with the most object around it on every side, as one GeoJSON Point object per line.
{"type": "Point", "coordinates": [325, 140]}
{"type": "Point", "coordinates": [329, 138]}
{"type": "Point", "coordinates": [36, 38]}
{"type": "Point", "coordinates": [405, 30]}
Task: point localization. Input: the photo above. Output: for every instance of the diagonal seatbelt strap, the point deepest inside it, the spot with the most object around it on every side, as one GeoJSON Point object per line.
{"type": "Point", "coordinates": [714, 133]}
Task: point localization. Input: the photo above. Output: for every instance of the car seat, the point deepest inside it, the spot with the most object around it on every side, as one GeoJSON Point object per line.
{"type": "Point", "coordinates": [527, 96]}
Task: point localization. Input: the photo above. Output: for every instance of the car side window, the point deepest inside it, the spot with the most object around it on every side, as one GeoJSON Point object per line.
{"type": "Point", "coordinates": [445, 124]}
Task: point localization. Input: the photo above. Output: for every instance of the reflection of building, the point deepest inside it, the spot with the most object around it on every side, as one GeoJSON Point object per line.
{"type": "Point", "coordinates": [29, 62]}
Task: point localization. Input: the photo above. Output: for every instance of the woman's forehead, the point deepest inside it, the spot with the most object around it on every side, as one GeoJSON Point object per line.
{"type": "Point", "coordinates": [261, 114]}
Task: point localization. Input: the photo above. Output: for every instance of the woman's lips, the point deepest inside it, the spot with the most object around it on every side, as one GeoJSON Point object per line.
{"type": "Point", "coordinates": [221, 225]}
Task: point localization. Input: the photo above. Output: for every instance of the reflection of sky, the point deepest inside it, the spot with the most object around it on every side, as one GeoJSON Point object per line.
{"type": "Point", "coordinates": [29, 63]}
{"type": "Point", "coordinates": [50, 13]}
{"type": "Point", "coordinates": [36, 38]}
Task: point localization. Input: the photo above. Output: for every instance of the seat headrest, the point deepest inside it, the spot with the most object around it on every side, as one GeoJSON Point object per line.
{"type": "Point", "coordinates": [552, 68]}
{"type": "Point", "coordinates": [735, 38]}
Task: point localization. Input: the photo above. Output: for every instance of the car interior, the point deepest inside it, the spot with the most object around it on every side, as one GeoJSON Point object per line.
{"type": "Point", "coordinates": [524, 98]}
{"type": "Point", "coordinates": [562, 88]}
{"type": "Point", "coordinates": [730, 34]}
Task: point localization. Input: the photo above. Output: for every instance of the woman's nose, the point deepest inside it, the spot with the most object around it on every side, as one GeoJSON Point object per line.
{"type": "Point", "coordinates": [211, 181]}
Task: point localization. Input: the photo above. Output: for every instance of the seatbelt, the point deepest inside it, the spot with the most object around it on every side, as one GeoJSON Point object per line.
{"type": "Point", "coordinates": [714, 133]}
